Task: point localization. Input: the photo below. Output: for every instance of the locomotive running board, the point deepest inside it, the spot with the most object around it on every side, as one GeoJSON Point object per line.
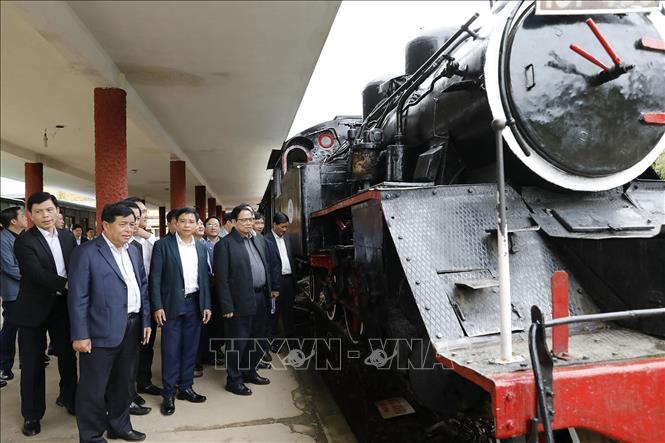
{"type": "Point", "coordinates": [615, 386]}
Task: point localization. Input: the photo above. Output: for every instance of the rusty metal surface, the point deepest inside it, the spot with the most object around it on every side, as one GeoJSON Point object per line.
{"type": "Point", "coordinates": [444, 236]}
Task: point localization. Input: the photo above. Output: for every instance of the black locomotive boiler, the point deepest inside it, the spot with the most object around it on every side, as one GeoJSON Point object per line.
{"type": "Point", "coordinates": [393, 218]}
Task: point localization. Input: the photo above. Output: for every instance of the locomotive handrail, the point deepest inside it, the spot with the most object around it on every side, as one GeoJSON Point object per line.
{"type": "Point", "coordinates": [607, 316]}
{"type": "Point", "coordinates": [542, 360]}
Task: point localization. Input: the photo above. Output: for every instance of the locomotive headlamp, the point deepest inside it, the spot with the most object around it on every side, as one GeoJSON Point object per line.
{"type": "Point", "coordinates": [326, 140]}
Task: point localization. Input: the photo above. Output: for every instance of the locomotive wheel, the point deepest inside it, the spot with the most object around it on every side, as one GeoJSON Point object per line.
{"type": "Point", "coordinates": [354, 337]}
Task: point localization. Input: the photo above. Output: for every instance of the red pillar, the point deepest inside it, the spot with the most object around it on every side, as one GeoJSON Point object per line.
{"type": "Point", "coordinates": [212, 204]}
{"type": "Point", "coordinates": [200, 198]}
{"type": "Point", "coordinates": [178, 184]}
{"type": "Point", "coordinates": [218, 209]}
{"type": "Point", "coordinates": [162, 221]}
{"type": "Point", "coordinates": [34, 181]}
{"type": "Point", "coordinates": [110, 148]}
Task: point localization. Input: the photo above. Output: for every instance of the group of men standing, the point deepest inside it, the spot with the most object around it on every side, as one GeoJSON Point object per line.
{"type": "Point", "coordinates": [104, 298]}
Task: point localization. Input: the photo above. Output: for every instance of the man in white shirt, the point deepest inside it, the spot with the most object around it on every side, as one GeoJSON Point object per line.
{"type": "Point", "coordinates": [110, 317]}
{"type": "Point", "coordinates": [180, 298]}
{"type": "Point", "coordinates": [43, 254]}
{"type": "Point", "coordinates": [77, 230]}
{"type": "Point", "coordinates": [282, 257]}
{"type": "Point", "coordinates": [147, 240]}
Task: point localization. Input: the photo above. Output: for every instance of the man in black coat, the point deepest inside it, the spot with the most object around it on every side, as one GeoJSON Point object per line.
{"type": "Point", "coordinates": [242, 285]}
{"type": "Point", "coordinates": [43, 253]}
{"type": "Point", "coordinates": [279, 248]}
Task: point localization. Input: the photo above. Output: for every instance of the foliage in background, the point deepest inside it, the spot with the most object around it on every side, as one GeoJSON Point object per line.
{"type": "Point", "coordinates": [659, 166]}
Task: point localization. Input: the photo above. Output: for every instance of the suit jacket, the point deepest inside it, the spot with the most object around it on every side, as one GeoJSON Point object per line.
{"type": "Point", "coordinates": [97, 298]}
{"type": "Point", "coordinates": [41, 289]}
{"type": "Point", "coordinates": [277, 259]}
{"type": "Point", "coordinates": [167, 287]}
{"type": "Point", "coordinates": [10, 274]}
{"type": "Point", "coordinates": [234, 286]}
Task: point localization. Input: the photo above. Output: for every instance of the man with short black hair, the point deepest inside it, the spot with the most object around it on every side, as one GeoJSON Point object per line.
{"type": "Point", "coordinates": [13, 221]}
{"type": "Point", "coordinates": [109, 310]}
{"type": "Point", "coordinates": [227, 227]}
{"type": "Point", "coordinates": [243, 287]}
{"type": "Point", "coordinates": [282, 256]}
{"type": "Point", "coordinates": [259, 223]}
{"type": "Point", "coordinates": [43, 253]}
{"type": "Point", "coordinates": [90, 234]}
{"type": "Point", "coordinates": [147, 240]}
{"type": "Point", "coordinates": [171, 221]}
{"type": "Point", "coordinates": [180, 299]}
{"type": "Point", "coordinates": [77, 230]}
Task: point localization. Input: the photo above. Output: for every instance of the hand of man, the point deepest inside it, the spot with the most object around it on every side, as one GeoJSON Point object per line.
{"type": "Point", "coordinates": [274, 294]}
{"type": "Point", "coordinates": [82, 345]}
{"type": "Point", "coordinates": [146, 336]}
{"type": "Point", "coordinates": [228, 315]}
{"type": "Point", "coordinates": [207, 313]}
{"type": "Point", "coordinates": [143, 233]}
{"type": "Point", "coordinates": [160, 317]}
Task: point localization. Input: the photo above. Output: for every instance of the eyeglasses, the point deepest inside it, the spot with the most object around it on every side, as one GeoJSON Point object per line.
{"type": "Point", "coordinates": [245, 220]}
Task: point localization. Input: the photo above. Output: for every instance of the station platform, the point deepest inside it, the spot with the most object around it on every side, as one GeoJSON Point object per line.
{"type": "Point", "coordinates": [295, 407]}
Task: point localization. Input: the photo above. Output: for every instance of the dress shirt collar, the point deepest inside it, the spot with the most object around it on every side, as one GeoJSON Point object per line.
{"type": "Point", "coordinates": [276, 234]}
{"type": "Point", "coordinates": [112, 246]}
{"type": "Point", "coordinates": [182, 242]}
{"type": "Point", "coordinates": [47, 234]}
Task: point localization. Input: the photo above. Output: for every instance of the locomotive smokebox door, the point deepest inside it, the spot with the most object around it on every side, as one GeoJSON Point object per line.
{"type": "Point", "coordinates": [554, 93]}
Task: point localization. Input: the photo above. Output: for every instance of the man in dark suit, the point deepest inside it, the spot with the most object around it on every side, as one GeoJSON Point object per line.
{"type": "Point", "coordinates": [77, 230]}
{"type": "Point", "coordinates": [109, 311]}
{"type": "Point", "coordinates": [180, 298]}
{"type": "Point", "coordinates": [242, 285]}
{"type": "Point", "coordinates": [13, 223]}
{"type": "Point", "coordinates": [280, 250]}
{"type": "Point", "coordinates": [43, 253]}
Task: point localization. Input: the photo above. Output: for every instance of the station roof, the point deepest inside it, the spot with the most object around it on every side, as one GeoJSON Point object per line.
{"type": "Point", "coordinates": [216, 84]}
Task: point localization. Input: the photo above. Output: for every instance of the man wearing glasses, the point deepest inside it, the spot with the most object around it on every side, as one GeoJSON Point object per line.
{"type": "Point", "coordinates": [242, 286]}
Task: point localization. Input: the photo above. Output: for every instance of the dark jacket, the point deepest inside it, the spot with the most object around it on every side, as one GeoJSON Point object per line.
{"type": "Point", "coordinates": [167, 287]}
{"type": "Point", "coordinates": [233, 274]}
{"type": "Point", "coordinates": [10, 275]}
{"type": "Point", "coordinates": [98, 294]}
{"type": "Point", "coordinates": [41, 287]}
{"type": "Point", "coordinates": [276, 259]}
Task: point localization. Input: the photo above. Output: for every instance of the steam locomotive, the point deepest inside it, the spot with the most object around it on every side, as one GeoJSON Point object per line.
{"type": "Point", "coordinates": [393, 218]}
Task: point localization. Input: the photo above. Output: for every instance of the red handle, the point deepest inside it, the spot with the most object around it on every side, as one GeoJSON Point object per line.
{"type": "Point", "coordinates": [601, 38]}
{"type": "Point", "coordinates": [589, 57]}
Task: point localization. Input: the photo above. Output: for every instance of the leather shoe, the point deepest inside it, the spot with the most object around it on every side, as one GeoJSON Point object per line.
{"type": "Point", "coordinates": [139, 400]}
{"type": "Point", "coordinates": [6, 375]}
{"type": "Point", "coordinates": [239, 389]}
{"type": "Point", "coordinates": [264, 365]}
{"type": "Point", "coordinates": [68, 406]}
{"type": "Point", "coordinates": [3, 383]}
{"type": "Point", "coordinates": [128, 436]}
{"type": "Point", "coordinates": [168, 406]}
{"type": "Point", "coordinates": [31, 427]}
{"type": "Point", "coordinates": [136, 409]}
{"type": "Point", "coordinates": [191, 396]}
{"type": "Point", "coordinates": [256, 379]}
{"type": "Point", "coordinates": [149, 389]}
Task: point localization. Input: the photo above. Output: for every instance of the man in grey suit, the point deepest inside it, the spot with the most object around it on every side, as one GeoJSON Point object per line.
{"type": "Point", "coordinates": [109, 314]}
{"type": "Point", "coordinates": [13, 222]}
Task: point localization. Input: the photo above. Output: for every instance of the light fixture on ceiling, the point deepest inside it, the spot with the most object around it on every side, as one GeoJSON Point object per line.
{"type": "Point", "coordinates": [55, 131]}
